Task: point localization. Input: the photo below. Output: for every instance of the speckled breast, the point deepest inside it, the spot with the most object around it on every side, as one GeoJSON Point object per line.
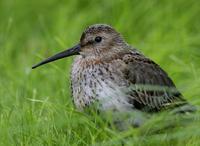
{"type": "Point", "coordinates": [94, 81]}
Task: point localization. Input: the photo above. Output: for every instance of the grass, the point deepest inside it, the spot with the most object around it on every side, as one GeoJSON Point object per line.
{"type": "Point", "coordinates": [36, 105]}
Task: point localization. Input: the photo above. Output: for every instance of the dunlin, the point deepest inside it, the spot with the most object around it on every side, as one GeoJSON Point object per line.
{"type": "Point", "coordinates": [108, 71]}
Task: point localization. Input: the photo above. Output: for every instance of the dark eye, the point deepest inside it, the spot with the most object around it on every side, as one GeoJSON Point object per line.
{"type": "Point", "coordinates": [98, 39]}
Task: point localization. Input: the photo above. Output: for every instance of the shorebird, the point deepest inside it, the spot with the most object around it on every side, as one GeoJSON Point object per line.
{"type": "Point", "coordinates": [108, 71]}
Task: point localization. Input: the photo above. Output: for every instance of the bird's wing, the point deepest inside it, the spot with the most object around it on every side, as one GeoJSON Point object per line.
{"type": "Point", "coordinates": [150, 88]}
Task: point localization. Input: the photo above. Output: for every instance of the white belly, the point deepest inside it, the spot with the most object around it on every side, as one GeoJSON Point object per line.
{"type": "Point", "coordinates": [112, 97]}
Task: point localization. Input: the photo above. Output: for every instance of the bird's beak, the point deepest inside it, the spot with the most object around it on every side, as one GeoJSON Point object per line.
{"type": "Point", "coordinates": [69, 52]}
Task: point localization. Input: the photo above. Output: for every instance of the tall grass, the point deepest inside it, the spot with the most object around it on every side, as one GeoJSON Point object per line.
{"type": "Point", "coordinates": [36, 105]}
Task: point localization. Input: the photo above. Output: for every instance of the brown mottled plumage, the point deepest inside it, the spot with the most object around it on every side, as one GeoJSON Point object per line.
{"type": "Point", "coordinates": [110, 72]}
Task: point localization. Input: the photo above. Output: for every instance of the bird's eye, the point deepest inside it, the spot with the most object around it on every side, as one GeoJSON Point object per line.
{"type": "Point", "coordinates": [98, 39]}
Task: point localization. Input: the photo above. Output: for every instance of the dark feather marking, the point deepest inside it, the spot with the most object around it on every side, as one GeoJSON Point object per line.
{"type": "Point", "coordinates": [142, 70]}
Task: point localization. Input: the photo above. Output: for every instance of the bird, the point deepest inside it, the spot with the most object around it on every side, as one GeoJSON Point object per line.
{"type": "Point", "coordinates": [118, 77]}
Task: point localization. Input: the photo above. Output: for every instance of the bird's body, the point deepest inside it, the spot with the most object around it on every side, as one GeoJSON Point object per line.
{"type": "Point", "coordinates": [110, 72]}
{"type": "Point", "coordinates": [112, 83]}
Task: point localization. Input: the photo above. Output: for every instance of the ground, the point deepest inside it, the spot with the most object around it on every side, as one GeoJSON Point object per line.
{"type": "Point", "coordinates": [36, 105]}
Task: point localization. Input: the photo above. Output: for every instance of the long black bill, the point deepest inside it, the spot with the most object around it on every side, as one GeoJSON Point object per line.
{"type": "Point", "coordinates": [72, 51]}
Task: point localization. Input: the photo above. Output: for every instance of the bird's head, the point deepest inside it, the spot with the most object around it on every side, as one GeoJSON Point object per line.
{"type": "Point", "coordinates": [99, 40]}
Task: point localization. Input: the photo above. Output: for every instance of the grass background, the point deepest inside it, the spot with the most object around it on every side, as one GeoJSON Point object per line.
{"type": "Point", "coordinates": [36, 105]}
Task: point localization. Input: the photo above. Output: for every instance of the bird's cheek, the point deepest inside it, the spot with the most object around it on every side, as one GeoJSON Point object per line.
{"type": "Point", "coordinates": [85, 52]}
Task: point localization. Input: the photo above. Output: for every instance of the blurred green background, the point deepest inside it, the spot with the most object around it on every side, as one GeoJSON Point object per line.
{"type": "Point", "coordinates": [36, 105]}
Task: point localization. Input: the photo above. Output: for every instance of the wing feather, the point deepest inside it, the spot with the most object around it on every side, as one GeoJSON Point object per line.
{"type": "Point", "coordinates": [150, 88]}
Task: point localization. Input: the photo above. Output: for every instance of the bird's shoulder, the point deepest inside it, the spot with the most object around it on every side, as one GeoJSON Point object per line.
{"type": "Point", "coordinates": [142, 70]}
